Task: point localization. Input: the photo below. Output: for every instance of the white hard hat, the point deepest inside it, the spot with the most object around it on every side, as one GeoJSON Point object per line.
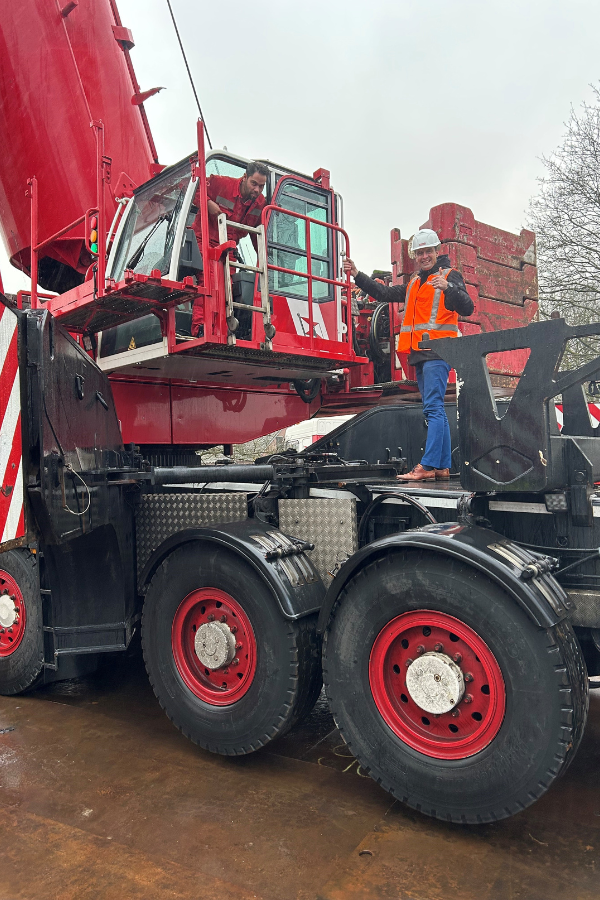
{"type": "Point", "coordinates": [423, 238]}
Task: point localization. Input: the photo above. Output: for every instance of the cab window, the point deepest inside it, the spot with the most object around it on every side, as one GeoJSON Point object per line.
{"type": "Point", "coordinates": [147, 239]}
{"type": "Point", "coordinates": [233, 169]}
{"type": "Point", "coordinates": [287, 241]}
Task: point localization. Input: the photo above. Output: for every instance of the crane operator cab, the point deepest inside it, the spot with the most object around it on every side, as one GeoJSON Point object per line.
{"type": "Point", "coordinates": [275, 307]}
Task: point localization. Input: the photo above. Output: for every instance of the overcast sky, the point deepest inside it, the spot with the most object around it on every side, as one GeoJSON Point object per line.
{"type": "Point", "coordinates": [409, 104]}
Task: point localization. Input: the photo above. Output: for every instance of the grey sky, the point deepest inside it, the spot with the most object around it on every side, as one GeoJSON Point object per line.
{"type": "Point", "coordinates": [409, 104]}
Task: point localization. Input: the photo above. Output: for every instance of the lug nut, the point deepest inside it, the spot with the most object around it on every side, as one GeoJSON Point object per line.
{"type": "Point", "coordinates": [233, 629]}
{"type": "Point", "coordinates": [5, 591]}
{"type": "Point", "coordinates": [210, 618]}
{"type": "Point", "coordinates": [439, 648]}
{"type": "Point", "coordinates": [468, 676]}
{"type": "Point", "coordinates": [455, 713]}
{"type": "Point", "coordinates": [223, 618]}
{"type": "Point", "coordinates": [238, 646]}
{"type": "Point", "coordinates": [468, 698]}
{"type": "Point", "coordinates": [420, 649]}
{"type": "Point", "coordinates": [235, 661]}
{"type": "Point", "coordinates": [13, 598]}
{"type": "Point", "coordinates": [457, 657]}
{"type": "Point", "coordinates": [408, 663]}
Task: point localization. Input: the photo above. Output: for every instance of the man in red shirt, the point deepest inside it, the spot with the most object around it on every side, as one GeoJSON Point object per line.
{"type": "Point", "coordinates": [242, 200]}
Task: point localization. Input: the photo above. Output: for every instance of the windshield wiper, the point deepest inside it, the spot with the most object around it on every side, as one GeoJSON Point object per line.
{"type": "Point", "coordinates": [135, 258]}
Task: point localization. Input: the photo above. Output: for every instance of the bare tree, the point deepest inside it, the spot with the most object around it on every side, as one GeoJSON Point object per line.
{"type": "Point", "coordinates": [565, 215]}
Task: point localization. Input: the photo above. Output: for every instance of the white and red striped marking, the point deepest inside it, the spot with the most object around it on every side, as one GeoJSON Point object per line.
{"type": "Point", "coordinates": [593, 409]}
{"type": "Point", "coordinates": [12, 513]}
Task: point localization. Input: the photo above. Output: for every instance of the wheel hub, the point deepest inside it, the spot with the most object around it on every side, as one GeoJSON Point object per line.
{"type": "Point", "coordinates": [8, 612]}
{"type": "Point", "coordinates": [419, 689]}
{"type": "Point", "coordinates": [435, 683]}
{"type": "Point", "coordinates": [214, 645]}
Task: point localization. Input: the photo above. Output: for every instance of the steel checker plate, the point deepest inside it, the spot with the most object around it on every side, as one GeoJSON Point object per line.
{"type": "Point", "coordinates": [161, 515]}
{"type": "Point", "coordinates": [328, 524]}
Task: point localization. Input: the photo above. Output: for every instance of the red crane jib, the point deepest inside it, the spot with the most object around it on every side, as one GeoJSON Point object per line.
{"type": "Point", "coordinates": [63, 65]}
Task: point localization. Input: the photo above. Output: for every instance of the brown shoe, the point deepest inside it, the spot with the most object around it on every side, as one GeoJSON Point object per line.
{"type": "Point", "coordinates": [442, 474]}
{"type": "Point", "coordinates": [418, 474]}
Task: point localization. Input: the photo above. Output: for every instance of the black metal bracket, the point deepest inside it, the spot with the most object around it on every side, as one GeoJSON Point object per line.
{"type": "Point", "coordinates": [522, 449]}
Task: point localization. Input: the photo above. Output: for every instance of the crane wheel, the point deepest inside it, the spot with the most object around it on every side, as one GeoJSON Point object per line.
{"type": "Point", "coordinates": [447, 693]}
{"type": "Point", "coordinates": [21, 634]}
{"type": "Point", "coordinates": [228, 669]}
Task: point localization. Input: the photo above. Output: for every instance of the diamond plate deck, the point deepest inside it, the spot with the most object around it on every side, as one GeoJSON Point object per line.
{"type": "Point", "coordinates": [161, 515]}
{"type": "Point", "coordinates": [328, 524]}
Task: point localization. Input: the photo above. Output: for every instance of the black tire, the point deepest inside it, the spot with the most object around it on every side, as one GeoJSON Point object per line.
{"type": "Point", "coordinates": [21, 669]}
{"type": "Point", "coordinates": [287, 679]}
{"type": "Point", "coordinates": [546, 692]}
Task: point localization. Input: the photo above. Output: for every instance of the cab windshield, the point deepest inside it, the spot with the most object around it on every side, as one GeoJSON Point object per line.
{"type": "Point", "coordinates": [148, 237]}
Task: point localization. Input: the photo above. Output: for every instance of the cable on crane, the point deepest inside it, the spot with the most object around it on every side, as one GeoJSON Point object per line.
{"type": "Point", "coordinates": [189, 73]}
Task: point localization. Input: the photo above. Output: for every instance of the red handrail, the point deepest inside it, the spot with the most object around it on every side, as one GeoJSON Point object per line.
{"type": "Point", "coordinates": [102, 169]}
{"type": "Point", "coordinates": [308, 221]}
{"type": "Point", "coordinates": [201, 174]}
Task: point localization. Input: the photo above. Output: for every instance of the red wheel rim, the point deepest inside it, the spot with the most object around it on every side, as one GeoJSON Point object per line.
{"type": "Point", "coordinates": [226, 685]}
{"type": "Point", "coordinates": [12, 614]}
{"type": "Point", "coordinates": [481, 710]}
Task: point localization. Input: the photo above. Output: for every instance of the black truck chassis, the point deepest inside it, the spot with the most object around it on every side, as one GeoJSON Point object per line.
{"type": "Point", "coordinates": [454, 625]}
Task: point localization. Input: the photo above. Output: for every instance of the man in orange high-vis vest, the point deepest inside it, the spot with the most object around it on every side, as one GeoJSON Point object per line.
{"type": "Point", "coordinates": [433, 299]}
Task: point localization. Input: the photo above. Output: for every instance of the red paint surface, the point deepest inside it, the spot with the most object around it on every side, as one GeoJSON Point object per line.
{"type": "Point", "coordinates": [56, 75]}
{"type": "Point", "coordinates": [439, 736]}
{"type": "Point", "coordinates": [10, 638]}
{"type": "Point", "coordinates": [207, 415]}
{"type": "Point", "coordinates": [144, 411]}
{"type": "Point", "coordinates": [223, 686]}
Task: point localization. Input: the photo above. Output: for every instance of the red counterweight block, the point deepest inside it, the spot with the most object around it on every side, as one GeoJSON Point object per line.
{"type": "Point", "coordinates": [500, 272]}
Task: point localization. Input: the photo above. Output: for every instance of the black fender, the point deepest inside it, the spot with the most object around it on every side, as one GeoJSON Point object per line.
{"type": "Point", "coordinates": [285, 569]}
{"type": "Point", "coordinates": [503, 561]}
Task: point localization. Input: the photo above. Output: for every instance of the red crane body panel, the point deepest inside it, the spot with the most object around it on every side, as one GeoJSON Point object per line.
{"type": "Point", "coordinates": [58, 72]}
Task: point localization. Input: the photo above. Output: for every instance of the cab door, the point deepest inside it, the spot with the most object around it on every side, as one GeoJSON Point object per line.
{"type": "Point", "coordinates": [290, 240]}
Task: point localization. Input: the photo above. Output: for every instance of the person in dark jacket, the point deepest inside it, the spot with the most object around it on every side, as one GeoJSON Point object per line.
{"type": "Point", "coordinates": [433, 300]}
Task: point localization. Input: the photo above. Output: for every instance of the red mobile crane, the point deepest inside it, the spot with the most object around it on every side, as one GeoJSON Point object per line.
{"type": "Point", "coordinates": [75, 132]}
{"type": "Point", "coordinates": [439, 643]}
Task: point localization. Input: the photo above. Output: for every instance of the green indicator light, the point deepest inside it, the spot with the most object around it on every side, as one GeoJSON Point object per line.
{"type": "Point", "coordinates": [94, 248]}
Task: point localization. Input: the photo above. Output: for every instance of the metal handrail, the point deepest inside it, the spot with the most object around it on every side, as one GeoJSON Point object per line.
{"type": "Point", "coordinates": [261, 270]}
{"type": "Point", "coordinates": [308, 221]}
{"type": "Point", "coordinates": [102, 167]}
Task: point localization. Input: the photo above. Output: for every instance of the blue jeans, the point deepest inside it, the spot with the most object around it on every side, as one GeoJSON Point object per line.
{"type": "Point", "coordinates": [432, 378]}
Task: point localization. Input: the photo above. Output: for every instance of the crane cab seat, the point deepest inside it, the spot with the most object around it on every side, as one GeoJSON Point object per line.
{"type": "Point", "coordinates": [190, 258]}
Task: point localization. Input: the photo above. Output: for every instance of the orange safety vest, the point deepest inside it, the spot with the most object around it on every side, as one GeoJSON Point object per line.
{"type": "Point", "coordinates": [425, 314]}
